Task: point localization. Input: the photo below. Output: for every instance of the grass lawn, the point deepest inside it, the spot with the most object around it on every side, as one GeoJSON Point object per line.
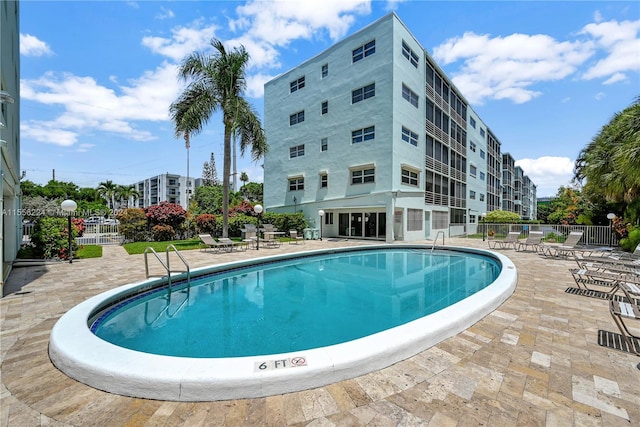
{"type": "Point", "coordinates": [181, 245]}
{"type": "Point", "coordinates": [89, 251]}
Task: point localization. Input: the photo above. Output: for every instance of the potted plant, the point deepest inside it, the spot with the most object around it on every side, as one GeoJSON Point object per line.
{"type": "Point", "coordinates": [491, 234]}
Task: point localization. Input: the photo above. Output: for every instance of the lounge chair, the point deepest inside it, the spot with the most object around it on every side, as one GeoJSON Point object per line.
{"type": "Point", "coordinates": [568, 248]}
{"type": "Point", "coordinates": [233, 244]}
{"type": "Point", "coordinates": [270, 240]}
{"type": "Point", "coordinates": [293, 234]}
{"type": "Point", "coordinates": [629, 309]}
{"type": "Point", "coordinates": [509, 241]}
{"type": "Point", "coordinates": [210, 243]}
{"type": "Point", "coordinates": [614, 280]}
{"type": "Point", "coordinates": [534, 241]}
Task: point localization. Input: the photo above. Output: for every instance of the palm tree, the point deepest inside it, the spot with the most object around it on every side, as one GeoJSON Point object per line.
{"type": "Point", "coordinates": [108, 190]}
{"type": "Point", "coordinates": [128, 193]}
{"type": "Point", "coordinates": [216, 82]}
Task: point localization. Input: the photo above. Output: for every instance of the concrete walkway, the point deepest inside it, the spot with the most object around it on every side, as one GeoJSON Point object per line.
{"type": "Point", "coordinates": [534, 361]}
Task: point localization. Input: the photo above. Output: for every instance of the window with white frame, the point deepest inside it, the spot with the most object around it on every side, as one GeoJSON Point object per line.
{"type": "Point", "coordinates": [481, 197]}
{"type": "Point", "coordinates": [324, 180]}
{"type": "Point", "coordinates": [409, 136]}
{"type": "Point", "coordinates": [410, 95]}
{"type": "Point", "coordinates": [296, 118]}
{"type": "Point", "coordinates": [325, 70]}
{"type": "Point", "coordinates": [324, 144]}
{"type": "Point", "coordinates": [363, 51]}
{"type": "Point", "coordinates": [482, 132]}
{"type": "Point", "coordinates": [472, 146]}
{"type": "Point", "coordinates": [325, 107]}
{"type": "Point", "coordinates": [440, 220]}
{"type": "Point", "coordinates": [408, 53]}
{"type": "Point", "coordinates": [410, 176]}
{"type": "Point", "coordinates": [328, 218]}
{"type": "Point", "coordinates": [482, 175]}
{"type": "Point", "coordinates": [482, 155]}
{"type": "Point", "coordinates": [414, 219]}
{"type": "Point", "coordinates": [364, 134]}
{"type": "Point", "coordinates": [296, 183]}
{"type": "Point", "coordinates": [472, 194]}
{"type": "Point", "coordinates": [363, 175]}
{"type": "Point", "coordinates": [473, 170]}
{"type": "Point", "coordinates": [296, 151]}
{"type": "Point", "coordinates": [472, 122]}
{"type": "Point", "coordinates": [472, 219]}
{"type": "Point", "coordinates": [296, 84]}
{"type": "Point", "coordinates": [362, 93]}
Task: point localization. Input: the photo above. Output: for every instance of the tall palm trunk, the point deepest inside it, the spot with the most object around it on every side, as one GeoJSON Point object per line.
{"type": "Point", "coordinates": [226, 170]}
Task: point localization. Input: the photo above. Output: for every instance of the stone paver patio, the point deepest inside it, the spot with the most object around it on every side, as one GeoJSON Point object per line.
{"type": "Point", "coordinates": [534, 361]}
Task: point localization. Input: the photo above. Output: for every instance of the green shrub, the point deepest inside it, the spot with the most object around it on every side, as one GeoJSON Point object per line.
{"type": "Point", "coordinates": [51, 239]}
{"type": "Point", "coordinates": [162, 232]}
{"type": "Point", "coordinates": [632, 240]}
{"type": "Point", "coordinates": [133, 224]}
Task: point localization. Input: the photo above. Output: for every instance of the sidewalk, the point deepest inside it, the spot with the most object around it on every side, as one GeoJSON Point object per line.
{"type": "Point", "coordinates": [534, 361]}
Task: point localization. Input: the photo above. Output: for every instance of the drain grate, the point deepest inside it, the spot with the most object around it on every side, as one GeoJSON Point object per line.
{"type": "Point", "coordinates": [616, 341]}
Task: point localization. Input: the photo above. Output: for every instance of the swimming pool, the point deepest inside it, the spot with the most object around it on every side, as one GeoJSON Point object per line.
{"type": "Point", "coordinates": [248, 371]}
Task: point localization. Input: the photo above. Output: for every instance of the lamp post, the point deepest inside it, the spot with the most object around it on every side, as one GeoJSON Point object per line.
{"type": "Point", "coordinates": [610, 217]}
{"type": "Point", "coordinates": [321, 213]}
{"type": "Point", "coordinates": [258, 210]}
{"type": "Point", "coordinates": [482, 216]}
{"type": "Point", "coordinates": [69, 206]}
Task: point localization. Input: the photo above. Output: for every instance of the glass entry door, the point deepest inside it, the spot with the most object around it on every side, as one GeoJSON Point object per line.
{"type": "Point", "coordinates": [363, 224]}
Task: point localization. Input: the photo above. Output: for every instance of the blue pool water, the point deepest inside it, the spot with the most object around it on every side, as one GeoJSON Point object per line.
{"type": "Point", "coordinates": [295, 304]}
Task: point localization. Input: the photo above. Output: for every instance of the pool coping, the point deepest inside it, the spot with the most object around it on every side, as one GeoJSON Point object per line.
{"type": "Point", "coordinates": [90, 360]}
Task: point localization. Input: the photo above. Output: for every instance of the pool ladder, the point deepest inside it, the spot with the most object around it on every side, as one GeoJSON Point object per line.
{"type": "Point", "coordinates": [436, 240]}
{"type": "Point", "coordinates": [167, 265]}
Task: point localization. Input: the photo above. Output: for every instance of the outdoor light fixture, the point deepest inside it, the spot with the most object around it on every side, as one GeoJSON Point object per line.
{"type": "Point", "coordinates": [321, 213]}
{"type": "Point", "coordinates": [69, 206]}
{"type": "Point", "coordinates": [483, 216]}
{"type": "Point", "coordinates": [258, 210]}
{"type": "Point", "coordinates": [6, 97]}
{"type": "Point", "coordinates": [610, 217]}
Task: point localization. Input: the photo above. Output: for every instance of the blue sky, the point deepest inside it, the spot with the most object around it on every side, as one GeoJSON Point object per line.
{"type": "Point", "coordinates": [97, 78]}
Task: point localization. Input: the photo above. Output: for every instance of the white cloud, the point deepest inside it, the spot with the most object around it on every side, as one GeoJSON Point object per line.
{"type": "Point", "coordinates": [548, 173]}
{"type": "Point", "coordinates": [165, 13]}
{"type": "Point", "coordinates": [500, 68]}
{"type": "Point", "coordinates": [32, 46]}
{"type": "Point", "coordinates": [183, 41]}
{"type": "Point", "coordinates": [255, 84]}
{"type": "Point", "coordinates": [621, 44]}
{"type": "Point", "coordinates": [599, 96]}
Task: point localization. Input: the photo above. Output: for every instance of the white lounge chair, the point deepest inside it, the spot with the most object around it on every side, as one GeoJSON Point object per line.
{"type": "Point", "coordinates": [210, 243]}
{"type": "Point", "coordinates": [534, 241]}
{"type": "Point", "coordinates": [509, 241]}
{"type": "Point", "coordinates": [293, 234]}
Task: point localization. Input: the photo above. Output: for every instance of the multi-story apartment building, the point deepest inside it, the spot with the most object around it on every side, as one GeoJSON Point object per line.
{"type": "Point", "coordinates": [508, 183]}
{"type": "Point", "coordinates": [165, 188]}
{"type": "Point", "coordinates": [373, 134]}
{"type": "Point", "coordinates": [11, 219]}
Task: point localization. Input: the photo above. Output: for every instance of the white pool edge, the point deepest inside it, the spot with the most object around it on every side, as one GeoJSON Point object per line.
{"type": "Point", "coordinates": [77, 352]}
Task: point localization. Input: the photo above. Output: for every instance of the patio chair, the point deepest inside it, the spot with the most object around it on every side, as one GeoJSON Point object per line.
{"type": "Point", "coordinates": [568, 248]}
{"type": "Point", "coordinates": [613, 280]}
{"type": "Point", "coordinates": [210, 243]}
{"type": "Point", "coordinates": [534, 241]}
{"type": "Point", "coordinates": [270, 240]}
{"type": "Point", "coordinates": [233, 244]}
{"type": "Point", "coordinates": [293, 234]}
{"type": "Point", "coordinates": [509, 241]}
{"type": "Point", "coordinates": [629, 309]}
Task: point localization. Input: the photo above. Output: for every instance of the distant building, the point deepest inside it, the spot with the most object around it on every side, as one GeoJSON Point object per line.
{"type": "Point", "coordinates": [165, 188]}
{"type": "Point", "coordinates": [11, 219]}
{"type": "Point", "coordinates": [373, 133]}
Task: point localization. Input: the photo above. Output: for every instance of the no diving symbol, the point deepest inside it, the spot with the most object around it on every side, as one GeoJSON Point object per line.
{"type": "Point", "coordinates": [298, 361]}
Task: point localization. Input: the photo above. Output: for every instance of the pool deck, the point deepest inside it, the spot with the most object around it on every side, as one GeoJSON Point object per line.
{"type": "Point", "coordinates": [534, 361]}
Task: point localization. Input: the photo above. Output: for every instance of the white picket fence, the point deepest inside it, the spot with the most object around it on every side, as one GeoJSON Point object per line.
{"type": "Point", "coordinates": [94, 234]}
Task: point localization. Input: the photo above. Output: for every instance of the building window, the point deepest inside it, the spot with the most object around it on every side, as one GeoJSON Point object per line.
{"type": "Point", "coordinates": [482, 132]}
{"type": "Point", "coordinates": [409, 54]}
{"type": "Point", "coordinates": [365, 92]}
{"type": "Point", "coordinates": [296, 184]}
{"type": "Point", "coordinates": [409, 136]}
{"type": "Point", "coordinates": [440, 220]}
{"type": "Point", "coordinates": [472, 146]}
{"type": "Point", "coordinates": [472, 121]}
{"type": "Point", "coordinates": [363, 51]}
{"type": "Point", "coordinates": [472, 194]}
{"type": "Point", "coordinates": [414, 219]}
{"type": "Point", "coordinates": [410, 177]}
{"type": "Point", "coordinates": [364, 134]}
{"type": "Point", "coordinates": [481, 197]}
{"type": "Point", "coordinates": [325, 70]}
{"type": "Point", "coordinates": [481, 154]}
{"type": "Point", "coordinates": [296, 118]}
{"type": "Point", "coordinates": [297, 151]}
{"type": "Point", "coordinates": [362, 176]}
{"type": "Point", "coordinates": [296, 84]}
{"type": "Point", "coordinates": [324, 144]}
{"type": "Point", "coordinates": [325, 107]}
{"type": "Point", "coordinates": [473, 170]}
{"type": "Point", "coordinates": [324, 180]}
{"type": "Point", "coordinates": [328, 218]}
{"type": "Point", "coordinates": [410, 95]}
{"type": "Point", "coordinates": [482, 176]}
{"type": "Point", "coordinates": [472, 219]}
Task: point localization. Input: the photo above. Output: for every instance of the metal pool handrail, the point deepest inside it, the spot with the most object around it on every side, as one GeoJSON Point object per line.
{"type": "Point", "coordinates": [166, 265]}
{"type": "Point", "coordinates": [436, 239]}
